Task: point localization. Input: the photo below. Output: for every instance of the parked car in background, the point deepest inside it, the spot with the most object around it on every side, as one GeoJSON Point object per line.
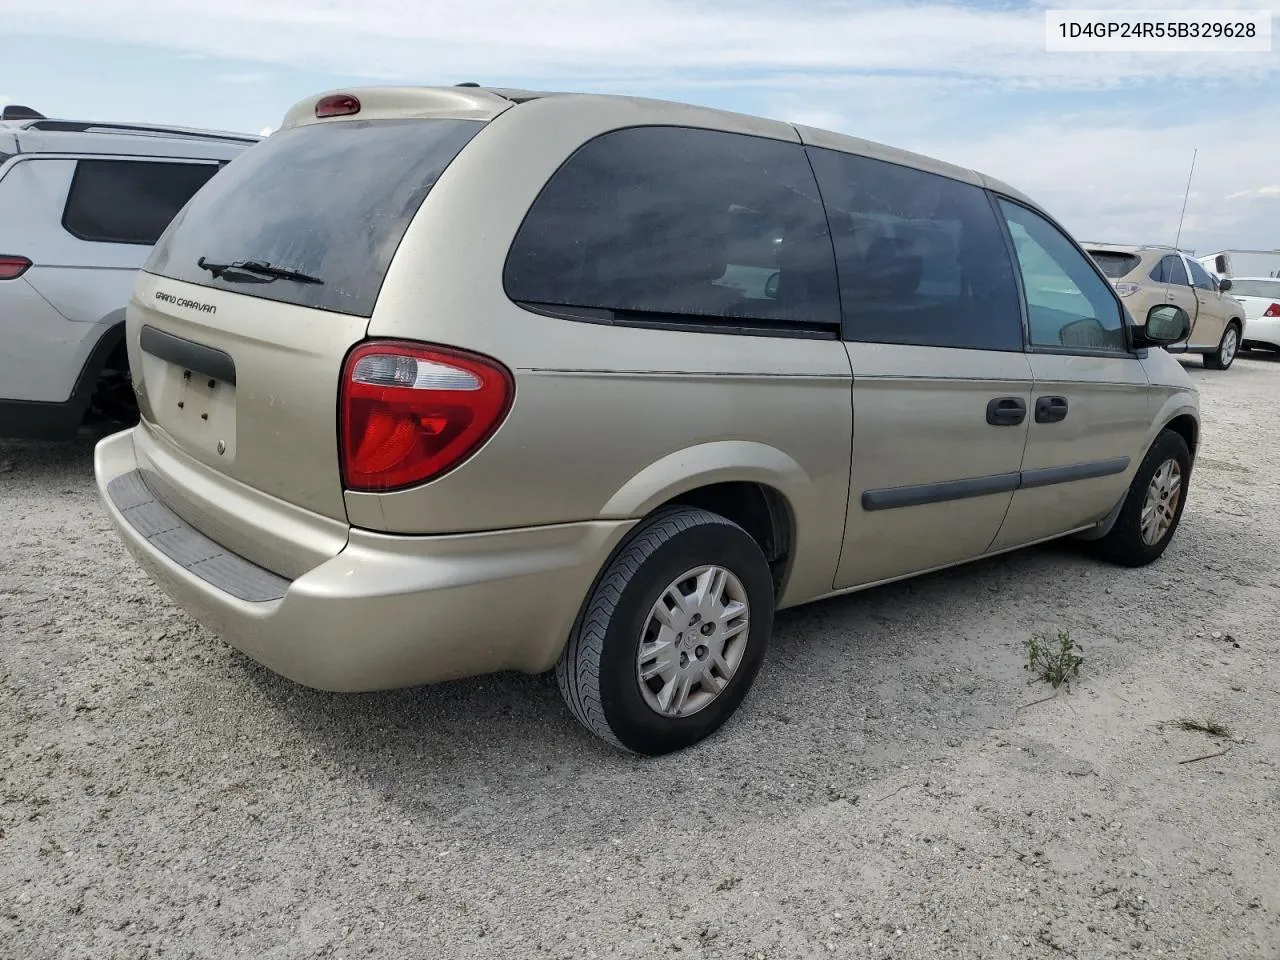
{"type": "Point", "coordinates": [437, 382]}
{"type": "Point", "coordinates": [1242, 263]}
{"type": "Point", "coordinates": [1147, 277]}
{"type": "Point", "coordinates": [81, 203]}
{"type": "Point", "coordinates": [1260, 297]}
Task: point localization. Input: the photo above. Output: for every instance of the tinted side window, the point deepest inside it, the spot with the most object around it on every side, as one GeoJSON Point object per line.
{"type": "Point", "coordinates": [1170, 270]}
{"type": "Point", "coordinates": [1068, 304]}
{"type": "Point", "coordinates": [129, 201]}
{"type": "Point", "coordinates": [921, 257]}
{"type": "Point", "coordinates": [1200, 277]}
{"type": "Point", "coordinates": [659, 221]}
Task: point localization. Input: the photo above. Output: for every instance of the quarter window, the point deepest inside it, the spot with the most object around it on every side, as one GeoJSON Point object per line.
{"type": "Point", "coordinates": [1170, 270]}
{"type": "Point", "coordinates": [1068, 304]}
{"type": "Point", "coordinates": [129, 201]}
{"type": "Point", "coordinates": [666, 223]}
{"type": "Point", "coordinates": [921, 257]}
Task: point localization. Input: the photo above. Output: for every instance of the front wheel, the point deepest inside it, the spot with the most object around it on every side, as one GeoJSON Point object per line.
{"type": "Point", "coordinates": [1153, 506]}
{"type": "Point", "coordinates": [1229, 346]}
{"type": "Point", "coordinates": [673, 634]}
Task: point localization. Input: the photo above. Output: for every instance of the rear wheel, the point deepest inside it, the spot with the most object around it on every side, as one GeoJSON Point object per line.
{"type": "Point", "coordinates": [1228, 347]}
{"type": "Point", "coordinates": [673, 634]}
{"type": "Point", "coordinates": [1153, 506]}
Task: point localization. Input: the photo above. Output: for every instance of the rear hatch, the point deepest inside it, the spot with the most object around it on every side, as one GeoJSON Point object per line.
{"type": "Point", "coordinates": [252, 298]}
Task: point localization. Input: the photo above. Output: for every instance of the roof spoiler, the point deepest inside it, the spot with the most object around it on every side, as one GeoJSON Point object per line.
{"type": "Point", "coordinates": [15, 111]}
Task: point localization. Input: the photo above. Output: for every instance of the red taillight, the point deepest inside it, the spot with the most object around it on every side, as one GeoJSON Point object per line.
{"type": "Point", "coordinates": [1273, 310]}
{"type": "Point", "coordinates": [11, 268]}
{"type": "Point", "coordinates": [337, 105]}
{"type": "Point", "coordinates": [410, 413]}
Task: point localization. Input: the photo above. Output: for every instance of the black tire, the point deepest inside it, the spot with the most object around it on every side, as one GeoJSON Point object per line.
{"type": "Point", "coordinates": [597, 670]}
{"type": "Point", "coordinates": [1124, 543]}
{"type": "Point", "coordinates": [1218, 360]}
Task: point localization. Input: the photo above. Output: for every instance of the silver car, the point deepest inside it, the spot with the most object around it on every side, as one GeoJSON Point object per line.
{"type": "Point", "coordinates": [81, 203]}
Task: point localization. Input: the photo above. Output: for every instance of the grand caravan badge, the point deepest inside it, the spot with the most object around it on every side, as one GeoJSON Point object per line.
{"type": "Point", "coordinates": [183, 302]}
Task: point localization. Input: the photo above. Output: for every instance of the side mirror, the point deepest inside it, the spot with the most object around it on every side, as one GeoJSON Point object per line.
{"type": "Point", "coordinates": [771, 285]}
{"type": "Point", "coordinates": [1224, 285]}
{"type": "Point", "coordinates": [1165, 324]}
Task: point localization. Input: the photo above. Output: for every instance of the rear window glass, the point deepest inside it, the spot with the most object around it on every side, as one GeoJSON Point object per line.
{"type": "Point", "coordinates": [332, 200]}
{"type": "Point", "coordinates": [129, 201]}
{"type": "Point", "coordinates": [1255, 288]}
{"type": "Point", "coordinates": [1114, 265]}
{"type": "Point", "coordinates": [693, 225]}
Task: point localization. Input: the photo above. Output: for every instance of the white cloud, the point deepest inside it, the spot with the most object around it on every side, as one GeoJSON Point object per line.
{"type": "Point", "coordinates": [242, 78]}
{"type": "Point", "coordinates": [1162, 5]}
{"type": "Point", "coordinates": [909, 72]}
{"type": "Point", "coordinates": [1108, 180]}
{"type": "Point", "coordinates": [266, 131]}
{"type": "Point", "coordinates": [644, 42]}
{"type": "Point", "coordinates": [1256, 194]}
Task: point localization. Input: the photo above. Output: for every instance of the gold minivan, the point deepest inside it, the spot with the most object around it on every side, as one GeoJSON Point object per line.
{"type": "Point", "coordinates": [437, 382]}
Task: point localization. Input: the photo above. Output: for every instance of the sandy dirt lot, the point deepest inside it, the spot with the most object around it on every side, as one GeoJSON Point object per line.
{"type": "Point", "coordinates": [883, 793]}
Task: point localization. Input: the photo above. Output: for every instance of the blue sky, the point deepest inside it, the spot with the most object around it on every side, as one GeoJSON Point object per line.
{"type": "Point", "coordinates": [1103, 140]}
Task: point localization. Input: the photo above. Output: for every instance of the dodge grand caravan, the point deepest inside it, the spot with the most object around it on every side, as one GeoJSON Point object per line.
{"type": "Point", "coordinates": [436, 382]}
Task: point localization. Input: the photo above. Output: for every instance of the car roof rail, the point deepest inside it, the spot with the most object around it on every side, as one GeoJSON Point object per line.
{"type": "Point", "coordinates": [181, 133]}
{"type": "Point", "coordinates": [1135, 247]}
{"type": "Point", "coordinates": [16, 111]}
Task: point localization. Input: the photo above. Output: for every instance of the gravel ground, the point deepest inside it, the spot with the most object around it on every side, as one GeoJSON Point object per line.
{"type": "Point", "coordinates": [891, 788]}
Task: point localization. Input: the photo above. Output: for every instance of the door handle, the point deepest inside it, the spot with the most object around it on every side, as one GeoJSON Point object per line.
{"type": "Point", "coordinates": [1051, 409]}
{"type": "Point", "coordinates": [1006, 411]}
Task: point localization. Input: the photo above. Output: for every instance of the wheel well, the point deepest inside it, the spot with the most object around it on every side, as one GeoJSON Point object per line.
{"type": "Point", "coordinates": [760, 510]}
{"type": "Point", "coordinates": [117, 359]}
{"type": "Point", "coordinates": [105, 352]}
{"type": "Point", "coordinates": [1186, 426]}
{"type": "Point", "coordinates": [103, 388]}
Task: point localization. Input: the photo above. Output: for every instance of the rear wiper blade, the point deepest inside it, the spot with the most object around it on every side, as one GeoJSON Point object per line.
{"type": "Point", "coordinates": [259, 267]}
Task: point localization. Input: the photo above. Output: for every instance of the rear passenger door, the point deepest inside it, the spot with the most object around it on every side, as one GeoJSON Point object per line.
{"type": "Point", "coordinates": [109, 213]}
{"type": "Point", "coordinates": [1175, 287]}
{"type": "Point", "coordinates": [87, 225]}
{"type": "Point", "coordinates": [1212, 309]}
{"type": "Point", "coordinates": [942, 386]}
{"type": "Point", "coordinates": [1090, 401]}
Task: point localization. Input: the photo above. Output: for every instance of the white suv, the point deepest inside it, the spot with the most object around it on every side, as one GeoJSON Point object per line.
{"type": "Point", "coordinates": [81, 205]}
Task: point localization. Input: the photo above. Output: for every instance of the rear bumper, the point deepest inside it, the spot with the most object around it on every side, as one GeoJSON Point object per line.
{"type": "Point", "coordinates": [1263, 330]}
{"type": "Point", "coordinates": [384, 611]}
{"type": "Point", "coordinates": [60, 419]}
{"type": "Point", "coordinates": [36, 420]}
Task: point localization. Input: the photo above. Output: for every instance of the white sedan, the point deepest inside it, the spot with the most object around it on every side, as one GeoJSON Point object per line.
{"type": "Point", "coordinates": [1261, 299]}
